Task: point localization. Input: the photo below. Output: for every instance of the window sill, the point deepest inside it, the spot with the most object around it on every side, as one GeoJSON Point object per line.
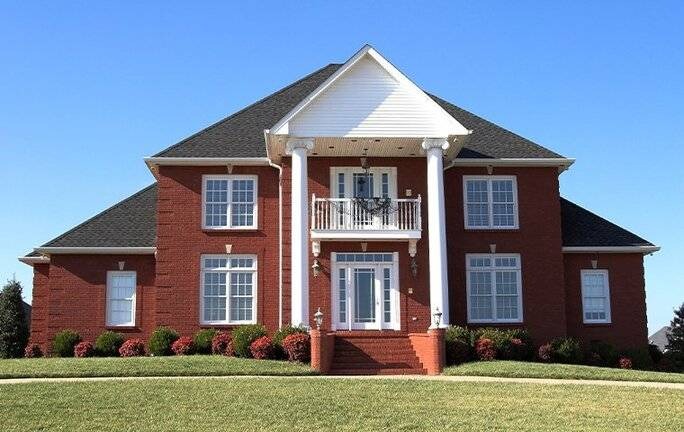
{"type": "Point", "coordinates": [493, 230]}
{"type": "Point", "coordinates": [597, 324]}
{"type": "Point", "coordinates": [123, 328]}
{"type": "Point", "coordinates": [496, 323]}
{"type": "Point", "coordinates": [226, 326]}
{"type": "Point", "coordinates": [232, 230]}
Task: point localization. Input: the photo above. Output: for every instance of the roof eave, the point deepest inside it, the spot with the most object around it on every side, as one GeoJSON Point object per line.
{"type": "Point", "coordinates": [93, 250]}
{"type": "Point", "coordinates": [33, 260]}
{"type": "Point", "coordinates": [561, 163]}
{"type": "Point", "coordinates": [646, 249]}
{"type": "Point", "coordinates": [153, 162]}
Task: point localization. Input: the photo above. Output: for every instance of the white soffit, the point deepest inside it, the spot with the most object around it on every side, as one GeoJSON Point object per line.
{"type": "Point", "coordinates": [368, 97]}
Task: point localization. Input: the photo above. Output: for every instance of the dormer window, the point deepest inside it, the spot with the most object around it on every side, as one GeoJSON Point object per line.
{"type": "Point", "coordinates": [229, 202]}
{"type": "Point", "coordinates": [490, 202]}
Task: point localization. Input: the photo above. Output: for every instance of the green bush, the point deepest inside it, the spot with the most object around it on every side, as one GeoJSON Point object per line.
{"type": "Point", "coordinates": [14, 328]}
{"type": "Point", "coordinates": [459, 347]}
{"type": "Point", "coordinates": [502, 339]}
{"type": "Point", "coordinates": [202, 340]}
{"type": "Point", "coordinates": [281, 334]}
{"type": "Point", "coordinates": [108, 344]}
{"type": "Point", "coordinates": [161, 340]}
{"type": "Point", "coordinates": [604, 352]}
{"type": "Point", "coordinates": [64, 342]}
{"type": "Point", "coordinates": [243, 337]}
{"type": "Point", "coordinates": [566, 350]}
{"type": "Point", "coordinates": [641, 358]}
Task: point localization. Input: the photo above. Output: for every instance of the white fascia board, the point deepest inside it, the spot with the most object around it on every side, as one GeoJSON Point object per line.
{"type": "Point", "coordinates": [282, 128]}
{"type": "Point", "coordinates": [96, 250]}
{"type": "Point", "coordinates": [611, 249]}
{"type": "Point", "coordinates": [352, 235]}
{"type": "Point", "coordinates": [563, 163]}
{"type": "Point", "coordinates": [34, 260]}
{"type": "Point", "coordinates": [206, 161]}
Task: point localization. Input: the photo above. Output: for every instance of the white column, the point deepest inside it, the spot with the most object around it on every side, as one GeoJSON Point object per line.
{"type": "Point", "coordinates": [439, 285]}
{"type": "Point", "coordinates": [299, 282]}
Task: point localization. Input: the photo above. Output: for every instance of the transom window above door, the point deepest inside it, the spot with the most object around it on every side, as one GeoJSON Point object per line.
{"type": "Point", "coordinates": [355, 182]}
{"type": "Point", "coordinates": [490, 202]}
{"type": "Point", "coordinates": [229, 202]}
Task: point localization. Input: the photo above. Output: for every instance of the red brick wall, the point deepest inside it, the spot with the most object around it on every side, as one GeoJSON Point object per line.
{"type": "Point", "coordinates": [74, 296]}
{"type": "Point", "coordinates": [181, 241]}
{"type": "Point", "coordinates": [538, 241]}
{"type": "Point", "coordinates": [627, 299]}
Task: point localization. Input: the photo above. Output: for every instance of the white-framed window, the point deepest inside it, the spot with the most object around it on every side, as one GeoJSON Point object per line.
{"type": "Point", "coordinates": [121, 286]}
{"type": "Point", "coordinates": [595, 296]}
{"type": "Point", "coordinates": [228, 289]}
{"type": "Point", "coordinates": [229, 202]}
{"type": "Point", "coordinates": [355, 182]}
{"type": "Point", "coordinates": [490, 202]}
{"type": "Point", "coordinates": [494, 288]}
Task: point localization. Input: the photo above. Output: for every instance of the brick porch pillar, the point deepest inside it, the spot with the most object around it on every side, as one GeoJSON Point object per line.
{"type": "Point", "coordinates": [322, 350]}
{"type": "Point", "coordinates": [430, 349]}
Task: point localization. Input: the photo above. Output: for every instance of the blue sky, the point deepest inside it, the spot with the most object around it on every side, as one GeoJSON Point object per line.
{"type": "Point", "coordinates": [87, 90]}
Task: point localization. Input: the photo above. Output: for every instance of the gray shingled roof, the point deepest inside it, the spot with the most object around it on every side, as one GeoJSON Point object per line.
{"type": "Point", "coordinates": [129, 223]}
{"type": "Point", "coordinates": [584, 228]}
{"type": "Point", "coordinates": [242, 134]}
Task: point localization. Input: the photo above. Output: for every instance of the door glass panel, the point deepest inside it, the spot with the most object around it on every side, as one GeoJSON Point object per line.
{"type": "Point", "coordinates": [386, 295]}
{"type": "Point", "coordinates": [364, 295]}
{"type": "Point", "coordinates": [363, 185]}
{"type": "Point", "coordinates": [342, 296]}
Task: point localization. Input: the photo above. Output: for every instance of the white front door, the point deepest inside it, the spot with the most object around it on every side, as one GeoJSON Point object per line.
{"type": "Point", "coordinates": [365, 291]}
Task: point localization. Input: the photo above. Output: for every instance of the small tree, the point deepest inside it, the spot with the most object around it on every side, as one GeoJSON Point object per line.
{"type": "Point", "coordinates": [13, 328]}
{"type": "Point", "coordinates": [675, 338]}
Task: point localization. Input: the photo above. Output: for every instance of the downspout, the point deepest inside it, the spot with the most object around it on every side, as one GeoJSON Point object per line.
{"type": "Point", "coordinates": [280, 231]}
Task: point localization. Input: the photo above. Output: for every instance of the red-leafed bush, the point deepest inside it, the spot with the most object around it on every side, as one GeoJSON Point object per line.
{"type": "Point", "coordinates": [544, 353]}
{"type": "Point", "coordinates": [132, 348]}
{"type": "Point", "coordinates": [84, 349]}
{"type": "Point", "coordinates": [183, 346]}
{"type": "Point", "coordinates": [515, 349]}
{"type": "Point", "coordinates": [262, 348]}
{"type": "Point", "coordinates": [33, 351]}
{"type": "Point", "coordinates": [222, 344]}
{"type": "Point", "coordinates": [298, 347]}
{"type": "Point", "coordinates": [485, 349]}
{"type": "Point", "coordinates": [625, 363]}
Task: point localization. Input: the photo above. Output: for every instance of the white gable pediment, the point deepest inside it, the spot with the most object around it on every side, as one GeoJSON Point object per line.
{"type": "Point", "coordinates": [368, 97]}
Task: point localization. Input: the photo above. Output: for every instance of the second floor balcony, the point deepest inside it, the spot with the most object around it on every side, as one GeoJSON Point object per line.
{"type": "Point", "coordinates": [365, 218]}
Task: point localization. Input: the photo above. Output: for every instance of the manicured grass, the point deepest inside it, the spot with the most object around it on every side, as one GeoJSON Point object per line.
{"type": "Point", "coordinates": [514, 369]}
{"type": "Point", "coordinates": [293, 404]}
{"type": "Point", "coordinates": [147, 366]}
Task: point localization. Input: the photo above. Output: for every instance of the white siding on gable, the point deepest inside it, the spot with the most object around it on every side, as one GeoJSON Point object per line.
{"type": "Point", "coordinates": [367, 101]}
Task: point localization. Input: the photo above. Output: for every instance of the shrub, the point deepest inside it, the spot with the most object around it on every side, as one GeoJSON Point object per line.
{"type": "Point", "coordinates": [161, 340]}
{"type": "Point", "coordinates": [458, 345]}
{"type": "Point", "coordinates": [243, 337]}
{"type": "Point", "coordinates": [516, 349]}
{"type": "Point", "coordinates": [262, 348]}
{"type": "Point", "coordinates": [108, 344]}
{"type": "Point", "coordinates": [64, 343]}
{"type": "Point", "coordinates": [33, 351]}
{"type": "Point", "coordinates": [485, 349]}
{"type": "Point", "coordinates": [594, 359]}
{"type": "Point", "coordinates": [14, 328]}
{"type": "Point", "coordinates": [222, 344]}
{"type": "Point", "coordinates": [182, 346]}
{"type": "Point", "coordinates": [665, 364]}
{"type": "Point", "coordinates": [202, 340]}
{"type": "Point", "coordinates": [298, 347]}
{"type": "Point", "coordinates": [675, 339]}
{"type": "Point", "coordinates": [566, 350]}
{"type": "Point", "coordinates": [502, 341]}
{"type": "Point", "coordinates": [132, 348]}
{"type": "Point", "coordinates": [640, 357]}
{"type": "Point", "coordinates": [84, 349]}
{"type": "Point", "coordinates": [281, 334]}
{"type": "Point", "coordinates": [655, 353]}
{"type": "Point", "coordinates": [625, 363]}
{"type": "Point", "coordinates": [544, 354]}
{"type": "Point", "coordinates": [607, 354]}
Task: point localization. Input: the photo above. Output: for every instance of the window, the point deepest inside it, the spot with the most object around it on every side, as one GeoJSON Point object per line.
{"type": "Point", "coordinates": [494, 288]}
{"type": "Point", "coordinates": [228, 291]}
{"type": "Point", "coordinates": [490, 202]}
{"type": "Point", "coordinates": [229, 202]}
{"type": "Point", "coordinates": [595, 296]}
{"type": "Point", "coordinates": [355, 182]}
{"type": "Point", "coordinates": [120, 299]}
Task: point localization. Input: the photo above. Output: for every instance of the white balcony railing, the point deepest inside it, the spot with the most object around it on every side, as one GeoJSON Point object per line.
{"type": "Point", "coordinates": [352, 214]}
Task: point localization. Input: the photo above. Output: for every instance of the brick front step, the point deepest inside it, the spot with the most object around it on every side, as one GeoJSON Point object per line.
{"type": "Point", "coordinates": [365, 353]}
{"type": "Point", "coordinates": [379, 371]}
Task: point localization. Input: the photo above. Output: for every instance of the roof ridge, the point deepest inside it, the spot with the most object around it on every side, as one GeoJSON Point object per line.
{"type": "Point", "coordinates": [140, 192]}
{"type": "Point", "coordinates": [217, 123]}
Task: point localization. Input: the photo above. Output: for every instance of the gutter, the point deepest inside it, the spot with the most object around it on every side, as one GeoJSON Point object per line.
{"type": "Point", "coordinates": [562, 163]}
{"type": "Point", "coordinates": [96, 250]}
{"type": "Point", "coordinates": [611, 249]}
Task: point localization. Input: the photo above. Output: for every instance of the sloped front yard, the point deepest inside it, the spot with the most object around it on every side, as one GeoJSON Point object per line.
{"type": "Point", "coordinates": [290, 404]}
{"type": "Point", "coordinates": [516, 369]}
{"type": "Point", "coordinates": [205, 365]}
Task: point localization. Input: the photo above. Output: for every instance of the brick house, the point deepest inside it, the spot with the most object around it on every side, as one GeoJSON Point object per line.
{"type": "Point", "coordinates": [354, 192]}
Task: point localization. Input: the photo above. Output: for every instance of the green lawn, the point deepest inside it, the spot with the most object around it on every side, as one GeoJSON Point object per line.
{"type": "Point", "coordinates": [312, 404]}
{"type": "Point", "coordinates": [147, 366]}
{"type": "Point", "coordinates": [514, 369]}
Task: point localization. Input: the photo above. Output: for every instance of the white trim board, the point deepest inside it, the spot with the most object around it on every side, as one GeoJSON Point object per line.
{"type": "Point", "coordinates": [96, 250]}
{"type": "Point", "coordinates": [611, 249]}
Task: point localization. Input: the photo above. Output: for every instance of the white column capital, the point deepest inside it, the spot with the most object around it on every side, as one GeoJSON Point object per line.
{"type": "Point", "coordinates": [299, 143]}
{"type": "Point", "coordinates": [431, 143]}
